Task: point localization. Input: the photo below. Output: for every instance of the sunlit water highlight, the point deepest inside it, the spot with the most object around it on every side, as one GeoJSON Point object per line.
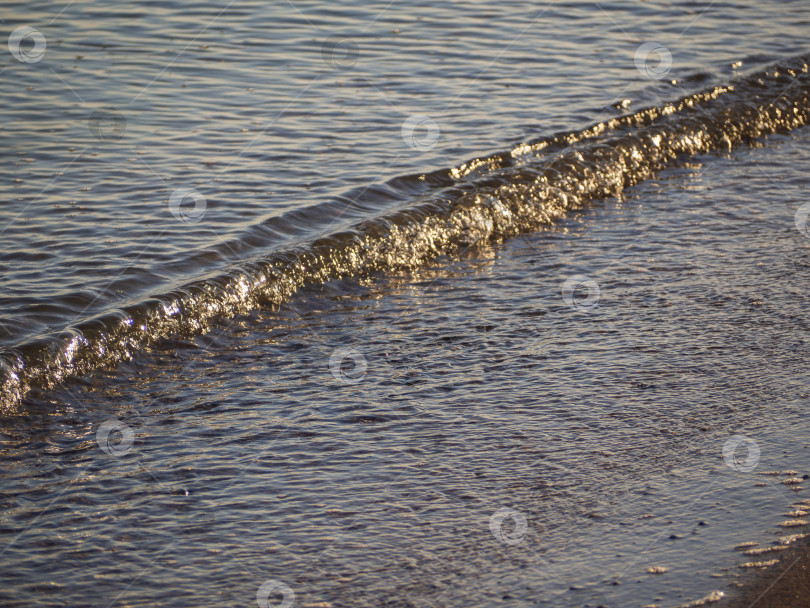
{"type": "Point", "coordinates": [255, 455]}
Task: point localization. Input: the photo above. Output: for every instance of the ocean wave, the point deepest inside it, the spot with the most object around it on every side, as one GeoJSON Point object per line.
{"type": "Point", "coordinates": [482, 201]}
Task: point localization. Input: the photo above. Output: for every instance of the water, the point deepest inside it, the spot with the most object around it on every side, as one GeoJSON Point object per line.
{"type": "Point", "coordinates": [254, 459]}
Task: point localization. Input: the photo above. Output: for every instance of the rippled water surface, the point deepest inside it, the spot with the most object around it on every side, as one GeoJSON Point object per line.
{"type": "Point", "coordinates": [267, 108]}
{"type": "Point", "coordinates": [357, 437]}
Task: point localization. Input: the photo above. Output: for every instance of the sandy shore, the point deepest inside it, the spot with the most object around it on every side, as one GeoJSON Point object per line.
{"type": "Point", "coordinates": [784, 585]}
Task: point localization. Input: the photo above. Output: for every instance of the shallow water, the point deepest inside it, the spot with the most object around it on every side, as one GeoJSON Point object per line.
{"type": "Point", "coordinates": [163, 148]}
{"type": "Point", "coordinates": [357, 441]}
{"type": "Point", "coordinates": [253, 459]}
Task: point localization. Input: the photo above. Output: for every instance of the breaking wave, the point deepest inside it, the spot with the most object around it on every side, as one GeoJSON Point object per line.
{"type": "Point", "coordinates": [482, 201]}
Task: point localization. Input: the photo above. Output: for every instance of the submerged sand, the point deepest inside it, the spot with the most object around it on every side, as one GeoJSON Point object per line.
{"type": "Point", "coordinates": [783, 585]}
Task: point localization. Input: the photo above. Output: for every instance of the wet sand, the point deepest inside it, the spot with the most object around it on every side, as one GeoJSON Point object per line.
{"type": "Point", "coordinates": [784, 585]}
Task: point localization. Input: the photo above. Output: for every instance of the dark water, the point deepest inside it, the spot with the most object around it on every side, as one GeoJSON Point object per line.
{"type": "Point", "coordinates": [434, 323]}
{"type": "Point", "coordinates": [169, 164]}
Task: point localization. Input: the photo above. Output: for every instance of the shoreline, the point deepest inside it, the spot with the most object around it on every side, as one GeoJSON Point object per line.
{"type": "Point", "coordinates": [783, 585]}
